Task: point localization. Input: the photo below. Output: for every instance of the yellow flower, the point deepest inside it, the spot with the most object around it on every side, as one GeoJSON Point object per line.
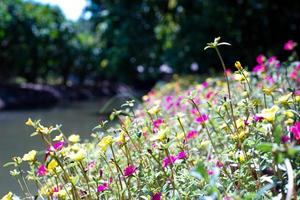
{"type": "Point", "coordinates": [105, 142]}
{"type": "Point", "coordinates": [44, 191]}
{"type": "Point", "coordinates": [52, 164]}
{"type": "Point", "coordinates": [180, 136]}
{"type": "Point", "coordinates": [289, 121]}
{"type": "Point", "coordinates": [284, 99]}
{"type": "Point", "coordinates": [161, 135]}
{"type": "Point", "coordinates": [241, 157]}
{"type": "Point", "coordinates": [289, 114]}
{"type": "Point", "coordinates": [43, 129]}
{"type": "Point", "coordinates": [269, 114]}
{"type": "Point", "coordinates": [127, 122]}
{"type": "Point", "coordinates": [78, 156]}
{"type": "Point", "coordinates": [241, 77]}
{"type": "Point", "coordinates": [268, 91]}
{"type": "Point", "coordinates": [74, 138]}
{"type": "Point", "coordinates": [121, 138]}
{"type": "Point", "coordinates": [29, 122]}
{"type": "Point", "coordinates": [59, 137]}
{"type": "Point", "coordinates": [240, 123]}
{"type": "Point", "coordinates": [240, 136]}
{"type": "Point", "coordinates": [8, 196]}
{"type": "Point", "coordinates": [62, 194]}
{"type": "Point", "coordinates": [30, 156]}
{"type": "Point", "coordinates": [238, 65]}
{"type": "Point", "coordinates": [154, 110]}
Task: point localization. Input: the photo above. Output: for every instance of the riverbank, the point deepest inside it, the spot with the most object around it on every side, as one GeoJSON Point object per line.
{"type": "Point", "coordinates": [37, 96]}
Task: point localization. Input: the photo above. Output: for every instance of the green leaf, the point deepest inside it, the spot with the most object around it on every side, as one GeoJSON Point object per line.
{"type": "Point", "coordinates": [8, 164]}
{"type": "Point", "coordinates": [207, 47]}
{"type": "Point", "coordinates": [277, 133]}
{"type": "Point", "coordinates": [34, 134]}
{"type": "Point", "coordinates": [224, 43]}
{"type": "Point", "coordinates": [200, 172]}
{"type": "Point", "coordinates": [293, 150]}
{"type": "Point", "coordinates": [265, 147]}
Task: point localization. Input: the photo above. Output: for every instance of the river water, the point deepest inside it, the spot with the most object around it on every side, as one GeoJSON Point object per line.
{"type": "Point", "coordinates": [76, 118]}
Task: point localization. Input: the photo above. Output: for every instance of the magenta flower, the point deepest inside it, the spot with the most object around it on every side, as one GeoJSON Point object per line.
{"type": "Point", "coordinates": [273, 61]}
{"type": "Point", "coordinates": [295, 129]}
{"type": "Point", "coordinates": [169, 99]}
{"type": "Point", "coordinates": [169, 160]}
{"type": "Point", "coordinates": [42, 170]}
{"type": "Point", "coordinates": [194, 111]}
{"type": "Point", "coordinates": [285, 139]}
{"type": "Point", "coordinates": [57, 146]}
{"type": "Point", "coordinates": [202, 118]}
{"type": "Point", "coordinates": [102, 187]}
{"type": "Point", "coordinates": [259, 68]}
{"type": "Point", "coordinates": [295, 74]}
{"type": "Point", "coordinates": [219, 164]}
{"type": "Point", "coordinates": [178, 101]}
{"type": "Point", "coordinates": [181, 155]}
{"type": "Point", "coordinates": [289, 45]}
{"type": "Point", "coordinates": [210, 172]}
{"type": "Point", "coordinates": [129, 170]}
{"type": "Point", "coordinates": [55, 189]}
{"type": "Point", "coordinates": [257, 118]}
{"type": "Point", "coordinates": [205, 84]}
{"type": "Point", "coordinates": [158, 122]}
{"type": "Point", "coordinates": [191, 134]}
{"type": "Point", "coordinates": [260, 59]}
{"type": "Point", "coordinates": [156, 196]}
{"type": "Point", "coordinates": [209, 94]}
{"type": "Point", "coordinates": [269, 79]}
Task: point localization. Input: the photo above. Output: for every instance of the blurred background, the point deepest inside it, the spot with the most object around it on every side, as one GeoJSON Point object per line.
{"type": "Point", "coordinates": [62, 60]}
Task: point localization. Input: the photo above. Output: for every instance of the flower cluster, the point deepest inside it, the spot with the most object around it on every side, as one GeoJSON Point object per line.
{"type": "Point", "coordinates": [232, 138]}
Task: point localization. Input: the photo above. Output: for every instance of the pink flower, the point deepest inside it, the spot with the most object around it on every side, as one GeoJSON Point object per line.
{"type": "Point", "coordinates": [42, 170]}
{"type": "Point", "coordinates": [169, 160]}
{"type": "Point", "coordinates": [228, 72]}
{"type": "Point", "coordinates": [194, 111]}
{"type": "Point", "coordinates": [202, 118]}
{"type": "Point", "coordinates": [90, 165]}
{"type": "Point", "coordinates": [269, 79]}
{"type": "Point", "coordinates": [57, 146]}
{"type": "Point", "coordinates": [178, 101]}
{"type": "Point", "coordinates": [273, 61]}
{"type": "Point", "coordinates": [156, 196]}
{"type": "Point", "coordinates": [55, 189]}
{"type": "Point", "coordinates": [259, 68]}
{"type": "Point", "coordinates": [102, 187]}
{"type": "Point", "coordinates": [219, 164]}
{"type": "Point", "coordinates": [295, 74]}
{"type": "Point", "coordinates": [209, 94]}
{"type": "Point", "coordinates": [260, 59]}
{"type": "Point", "coordinates": [289, 45]}
{"type": "Point", "coordinates": [158, 122]}
{"type": "Point", "coordinates": [129, 170]}
{"type": "Point", "coordinates": [295, 129]}
{"type": "Point", "coordinates": [181, 155]}
{"type": "Point", "coordinates": [257, 118]}
{"type": "Point", "coordinates": [169, 99]}
{"type": "Point", "coordinates": [210, 172]}
{"type": "Point", "coordinates": [191, 134]}
{"type": "Point", "coordinates": [205, 84]}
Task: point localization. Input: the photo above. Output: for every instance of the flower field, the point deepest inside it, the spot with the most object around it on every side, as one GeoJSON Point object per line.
{"type": "Point", "coordinates": [232, 137]}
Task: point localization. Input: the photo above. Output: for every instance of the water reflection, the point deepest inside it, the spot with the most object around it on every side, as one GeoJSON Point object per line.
{"type": "Point", "coordinates": [78, 118]}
